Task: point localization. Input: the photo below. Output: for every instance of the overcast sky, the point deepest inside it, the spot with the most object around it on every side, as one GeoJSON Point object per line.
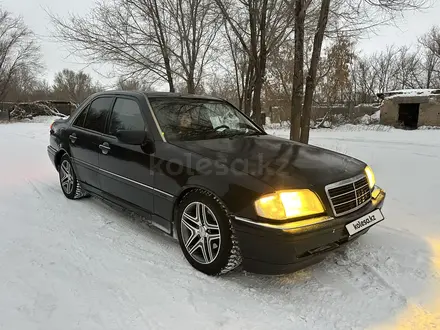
{"type": "Point", "coordinates": [409, 27]}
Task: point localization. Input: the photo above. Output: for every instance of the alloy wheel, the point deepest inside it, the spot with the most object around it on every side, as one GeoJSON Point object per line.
{"type": "Point", "coordinates": [200, 232]}
{"type": "Point", "coordinates": [66, 177]}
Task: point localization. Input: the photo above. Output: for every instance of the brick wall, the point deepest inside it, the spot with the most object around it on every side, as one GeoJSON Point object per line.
{"type": "Point", "coordinates": [429, 113]}
{"type": "Point", "coordinates": [389, 112]}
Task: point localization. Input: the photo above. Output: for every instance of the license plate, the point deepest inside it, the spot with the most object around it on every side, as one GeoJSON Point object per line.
{"type": "Point", "coordinates": [366, 221]}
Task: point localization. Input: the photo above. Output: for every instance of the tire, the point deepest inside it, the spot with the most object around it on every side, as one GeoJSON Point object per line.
{"type": "Point", "coordinates": [68, 180]}
{"type": "Point", "coordinates": [208, 242]}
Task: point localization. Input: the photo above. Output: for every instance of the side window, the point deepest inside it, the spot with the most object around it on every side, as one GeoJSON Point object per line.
{"type": "Point", "coordinates": [79, 121]}
{"type": "Point", "coordinates": [126, 116]}
{"type": "Point", "coordinates": [97, 114]}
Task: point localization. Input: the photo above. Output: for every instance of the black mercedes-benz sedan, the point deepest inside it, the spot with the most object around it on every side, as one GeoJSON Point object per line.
{"type": "Point", "coordinates": [203, 172]}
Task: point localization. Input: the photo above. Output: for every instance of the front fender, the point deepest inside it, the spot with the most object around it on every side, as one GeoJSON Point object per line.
{"type": "Point", "coordinates": [237, 192]}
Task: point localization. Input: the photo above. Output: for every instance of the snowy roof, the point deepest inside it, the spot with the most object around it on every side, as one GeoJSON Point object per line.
{"type": "Point", "coordinates": [409, 93]}
{"type": "Point", "coordinates": [368, 105]}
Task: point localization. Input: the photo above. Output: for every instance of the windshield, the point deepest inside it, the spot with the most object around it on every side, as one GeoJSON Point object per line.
{"type": "Point", "coordinates": [198, 119]}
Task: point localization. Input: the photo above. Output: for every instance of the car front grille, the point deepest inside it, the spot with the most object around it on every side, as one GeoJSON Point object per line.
{"type": "Point", "coordinates": [348, 195]}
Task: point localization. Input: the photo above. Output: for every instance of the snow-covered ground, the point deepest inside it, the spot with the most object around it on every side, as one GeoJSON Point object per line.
{"type": "Point", "coordinates": [83, 265]}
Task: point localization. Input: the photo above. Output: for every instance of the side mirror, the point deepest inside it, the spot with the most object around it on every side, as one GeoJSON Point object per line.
{"type": "Point", "coordinates": [132, 137]}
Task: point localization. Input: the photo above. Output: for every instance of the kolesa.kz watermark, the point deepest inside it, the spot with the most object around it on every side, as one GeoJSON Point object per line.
{"type": "Point", "coordinates": [364, 222]}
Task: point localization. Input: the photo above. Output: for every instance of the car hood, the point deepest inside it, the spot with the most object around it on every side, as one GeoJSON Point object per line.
{"type": "Point", "coordinates": [278, 162]}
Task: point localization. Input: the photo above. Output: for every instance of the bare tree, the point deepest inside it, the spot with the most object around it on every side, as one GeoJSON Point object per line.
{"type": "Point", "coordinates": [244, 70]}
{"type": "Point", "coordinates": [260, 26]}
{"type": "Point", "coordinates": [298, 70]}
{"type": "Point", "coordinates": [349, 16]}
{"type": "Point", "coordinates": [355, 18]}
{"type": "Point", "coordinates": [132, 85]}
{"type": "Point", "coordinates": [302, 102]}
{"type": "Point", "coordinates": [43, 91]}
{"type": "Point", "coordinates": [73, 86]}
{"type": "Point", "coordinates": [431, 40]}
{"type": "Point", "coordinates": [431, 69]}
{"type": "Point", "coordinates": [431, 44]}
{"type": "Point", "coordinates": [131, 37]}
{"type": "Point", "coordinates": [384, 64]}
{"type": "Point", "coordinates": [409, 68]}
{"type": "Point", "coordinates": [19, 53]}
{"type": "Point", "coordinates": [22, 86]}
{"type": "Point", "coordinates": [278, 87]}
{"type": "Point", "coordinates": [311, 77]}
{"type": "Point", "coordinates": [158, 40]}
{"type": "Point", "coordinates": [194, 27]}
{"type": "Point", "coordinates": [223, 85]}
{"type": "Point", "coordinates": [232, 73]}
{"type": "Point", "coordinates": [335, 79]}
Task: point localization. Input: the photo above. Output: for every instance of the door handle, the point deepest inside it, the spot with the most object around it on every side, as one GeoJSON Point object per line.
{"type": "Point", "coordinates": [73, 137]}
{"type": "Point", "coordinates": [105, 148]}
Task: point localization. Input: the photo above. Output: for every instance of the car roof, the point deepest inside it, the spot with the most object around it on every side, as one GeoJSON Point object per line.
{"type": "Point", "coordinates": [160, 95]}
{"type": "Point", "coordinates": [180, 95]}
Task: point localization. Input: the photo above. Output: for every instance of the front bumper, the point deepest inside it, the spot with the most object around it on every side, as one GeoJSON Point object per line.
{"type": "Point", "coordinates": [277, 249]}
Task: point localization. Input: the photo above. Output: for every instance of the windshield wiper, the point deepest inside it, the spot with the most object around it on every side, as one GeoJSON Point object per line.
{"type": "Point", "coordinates": [250, 127]}
{"type": "Point", "coordinates": [253, 133]}
{"type": "Point", "coordinates": [235, 133]}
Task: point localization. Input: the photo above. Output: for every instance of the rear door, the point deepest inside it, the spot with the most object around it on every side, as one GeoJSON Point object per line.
{"type": "Point", "coordinates": [84, 137]}
{"type": "Point", "coordinates": [126, 170]}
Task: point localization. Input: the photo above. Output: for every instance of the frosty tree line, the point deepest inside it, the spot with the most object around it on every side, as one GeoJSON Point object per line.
{"type": "Point", "coordinates": [296, 53]}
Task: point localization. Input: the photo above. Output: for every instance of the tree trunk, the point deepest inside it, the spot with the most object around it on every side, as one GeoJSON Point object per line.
{"type": "Point", "coordinates": [256, 101]}
{"type": "Point", "coordinates": [260, 67]}
{"type": "Point", "coordinates": [247, 101]}
{"type": "Point", "coordinates": [311, 77]}
{"type": "Point", "coordinates": [190, 85]}
{"type": "Point", "coordinates": [169, 74]}
{"type": "Point", "coordinates": [298, 72]}
{"type": "Point", "coordinates": [253, 59]}
{"type": "Point", "coordinates": [430, 70]}
{"type": "Point", "coordinates": [240, 102]}
{"type": "Point", "coordinates": [160, 35]}
{"type": "Point", "coordinates": [248, 88]}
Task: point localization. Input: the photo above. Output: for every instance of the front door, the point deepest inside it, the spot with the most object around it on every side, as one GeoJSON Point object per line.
{"type": "Point", "coordinates": [84, 138]}
{"type": "Point", "coordinates": [125, 169]}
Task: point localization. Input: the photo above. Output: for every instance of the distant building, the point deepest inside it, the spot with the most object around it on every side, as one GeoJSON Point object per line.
{"type": "Point", "coordinates": [410, 108]}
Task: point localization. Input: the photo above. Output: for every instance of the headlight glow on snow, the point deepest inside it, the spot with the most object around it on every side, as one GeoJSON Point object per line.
{"type": "Point", "coordinates": [287, 204]}
{"type": "Point", "coordinates": [370, 177]}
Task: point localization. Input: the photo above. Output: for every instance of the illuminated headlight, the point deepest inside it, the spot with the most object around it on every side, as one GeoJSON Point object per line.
{"type": "Point", "coordinates": [370, 177]}
{"type": "Point", "coordinates": [287, 204]}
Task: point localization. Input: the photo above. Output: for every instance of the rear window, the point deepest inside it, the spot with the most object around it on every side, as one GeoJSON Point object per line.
{"type": "Point", "coordinates": [97, 114]}
{"type": "Point", "coordinates": [79, 121]}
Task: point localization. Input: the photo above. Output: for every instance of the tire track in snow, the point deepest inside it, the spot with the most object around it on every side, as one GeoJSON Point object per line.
{"type": "Point", "coordinates": [35, 189]}
{"type": "Point", "coordinates": [341, 280]}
